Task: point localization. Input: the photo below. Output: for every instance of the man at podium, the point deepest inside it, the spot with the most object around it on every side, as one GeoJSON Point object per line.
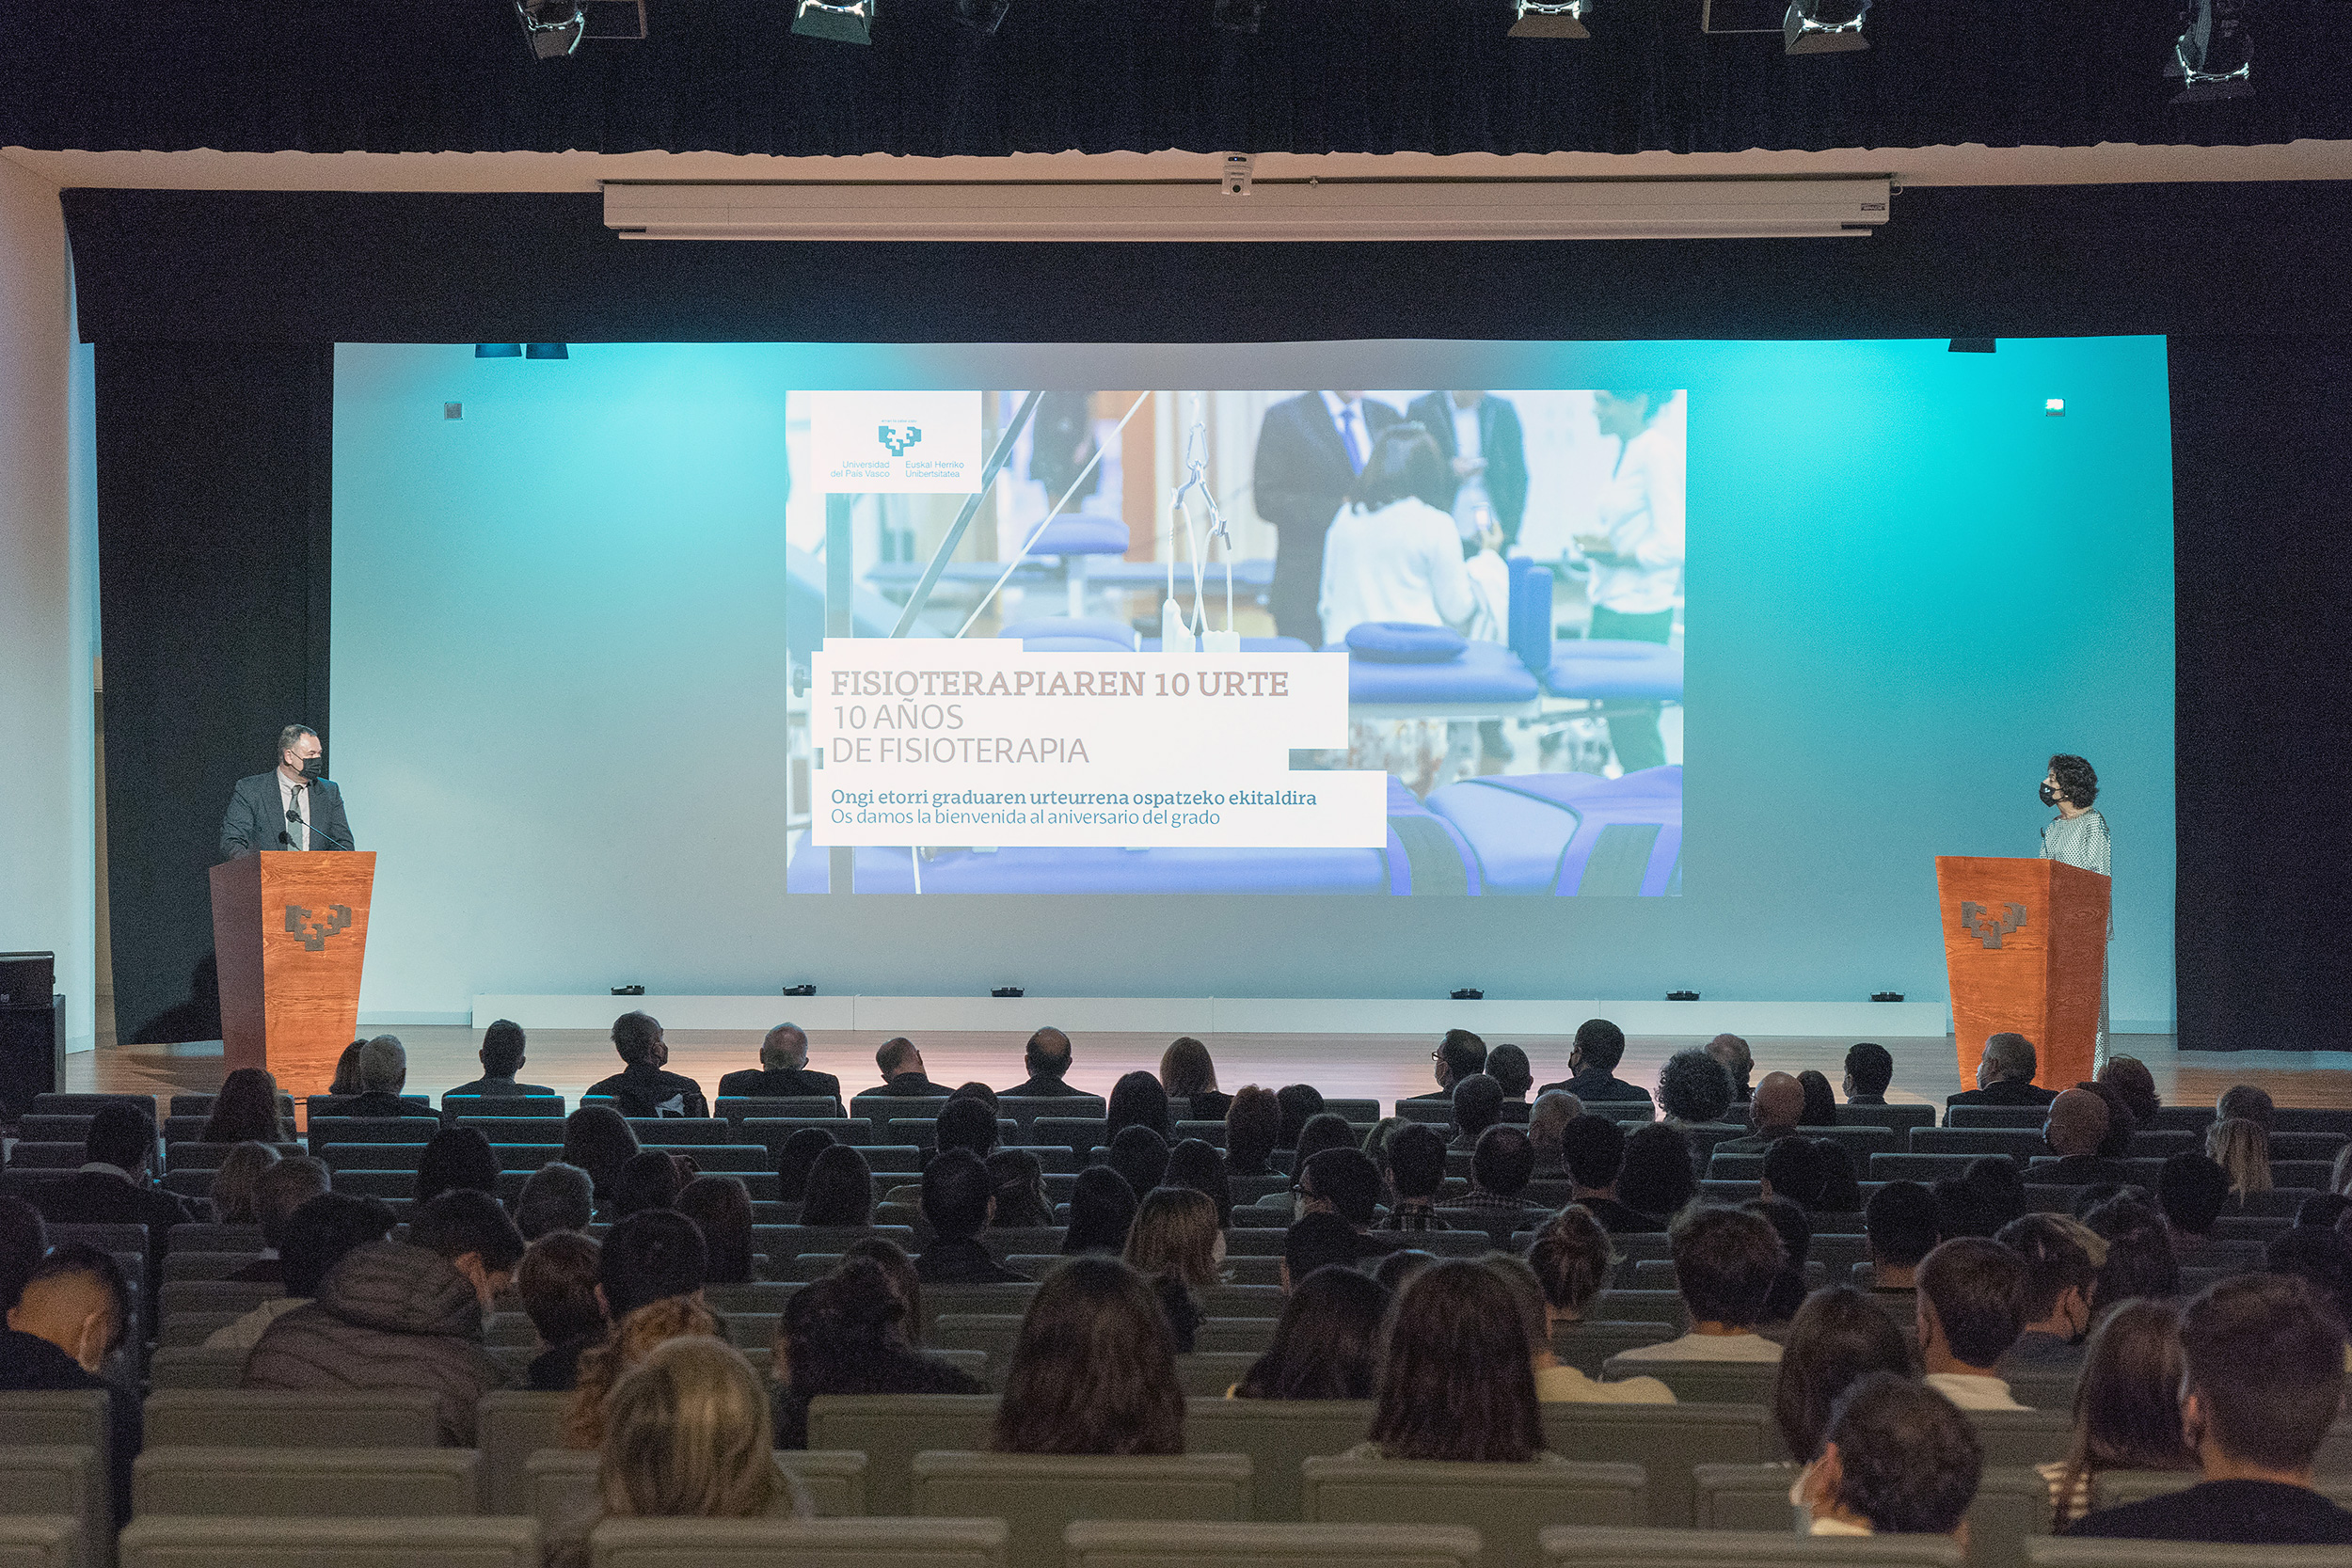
{"type": "Point", "coordinates": [293, 806]}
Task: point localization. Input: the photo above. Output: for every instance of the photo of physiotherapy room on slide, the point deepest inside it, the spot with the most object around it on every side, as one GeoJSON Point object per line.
{"type": "Point", "coordinates": [573, 629]}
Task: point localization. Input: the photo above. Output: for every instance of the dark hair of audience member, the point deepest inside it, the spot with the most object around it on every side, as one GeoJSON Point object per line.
{"type": "Point", "coordinates": [1999, 1187]}
{"type": "Point", "coordinates": [1601, 1043]}
{"type": "Point", "coordinates": [1796, 1240]}
{"type": "Point", "coordinates": [1199, 1165]}
{"type": "Point", "coordinates": [1298, 1102]}
{"type": "Point", "coordinates": [2129, 1077]}
{"type": "Point", "coordinates": [1140, 1155]}
{"type": "Point", "coordinates": [973, 1090]}
{"type": "Point", "coordinates": [2139, 1253]}
{"type": "Point", "coordinates": [346, 1079]}
{"type": "Point", "coordinates": [1176, 1244]}
{"type": "Point", "coordinates": [1573, 1261]}
{"type": "Point", "coordinates": [839, 1194]}
{"type": "Point", "coordinates": [955, 1194]}
{"type": "Point", "coordinates": [325, 1228]}
{"type": "Point", "coordinates": [896, 1267]}
{"type": "Point", "coordinates": [466, 1220]}
{"type": "Point", "coordinates": [1507, 1065]}
{"type": "Point", "coordinates": [456, 1157]}
{"type": "Point", "coordinates": [1461, 1054]}
{"type": "Point", "coordinates": [1415, 1160]}
{"type": "Point", "coordinates": [2056, 1258]}
{"type": "Point", "coordinates": [1792, 1168]}
{"type": "Point", "coordinates": [1324, 1130]}
{"type": "Point", "coordinates": [1694, 1086]}
{"type": "Point", "coordinates": [1726, 1262]}
{"type": "Point", "coordinates": [1502, 1162]}
{"type": "Point", "coordinates": [1841, 1187]}
{"type": "Point", "coordinates": [1899, 1222]}
{"type": "Point", "coordinates": [1016, 1179]}
{"type": "Point", "coordinates": [1976, 1289]}
{"type": "Point", "coordinates": [1456, 1382]}
{"type": "Point", "coordinates": [121, 1135]}
{"type": "Point", "coordinates": [1327, 1343]}
{"type": "Point", "coordinates": [635, 1335]}
{"type": "Point", "coordinates": [599, 1140]}
{"type": "Point", "coordinates": [1102, 1208]}
{"type": "Point", "coordinates": [1398, 1269]}
{"type": "Point", "coordinates": [846, 1334]}
{"type": "Point", "coordinates": [793, 1160]}
{"type": "Point", "coordinates": [1094, 1369]}
{"type": "Point", "coordinates": [651, 1180]}
{"type": "Point", "coordinates": [649, 1256]}
{"type": "Point", "coordinates": [23, 1242]}
{"type": "Point", "coordinates": [2192, 1191]}
{"type": "Point", "coordinates": [721, 1208]}
{"type": "Point", "coordinates": [1961, 1209]}
{"type": "Point", "coordinates": [1477, 1104]}
{"type": "Point", "coordinates": [556, 1197]}
{"type": "Point", "coordinates": [1187, 1068]}
{"type": "Point", "coordinates": [2127, 1404]}
{"type": "Point", "coordinates": [1820, 1100]}
{"type": "Point", "coordinates": [557, 1283]}
{"type": "Point", "coordinates": [1137, 1100]}
{"type": "Point", "coordinates": [966, 1124]}
{"type": "Point", "coordinates": [1873, 1066]}
{"type": "Point", "coordinates": [2321, 1259]}
{"type": "Point", "coordinates": [1837, 1335]}
{"type": "Point", "coordinates": [1908, 1460]}
{"type": "Point", "coordinates": [232, 1195]}
{"type": "Point", "coordinates": [1253, 1130]}
{"type": "Point", "coordinates": [2122, 1124]}
{"type": "Point", "coordinates": [1592, 1149]}
{"type": "Point", "coordinates": [1654, 1178]}
{"type": "Point", "coordinates": [501, 1051]}
{"type": "Point", "coordinates": [247, 1108]}
{"type": "Point", "coordinates": [2264, 1363]}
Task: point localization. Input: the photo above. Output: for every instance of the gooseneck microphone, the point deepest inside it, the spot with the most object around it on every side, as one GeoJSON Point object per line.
{"type": "Point", "coordinates": [287, 838]}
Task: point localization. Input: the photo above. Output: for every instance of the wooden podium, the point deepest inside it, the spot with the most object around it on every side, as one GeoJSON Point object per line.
{"type": "Point", "coordinates": [2025, 945]}
{"type": "Point", "coordinates": [290, 929]}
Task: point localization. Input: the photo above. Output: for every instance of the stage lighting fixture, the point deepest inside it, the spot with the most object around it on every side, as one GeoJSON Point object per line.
{"type": "Point", "coordinates": [802, 989]}
{"type": "Point", "coordinates": [1469, 993]}
{"type": "Point", "coordinates": [853, 23]}
{"type": "Point", "coordinates": [1973, 345]}
{"type": "Point", "coordinates": [1006, 992]}
{"type": "Point", "coordinates": [1238, 16]}
{"type": "Point", "coordinates": [1824, 26]}
{"type": "Point", "coordinates": [981, 16]}
{"type": "Point", "coordinates": [1887, 996]}
{"type": "Point", "coordinates": [498, 350]}
{"type": "Point", "coordinates": [551, 27]}
{"type": "Point", "coordinates": [2211, 58]}
{"type": "Point", "coordinates": [1550, 19]}
{"type": "Point", "coordinates": [1682, 996]}
{"type": "Point", "coordinates": [545, 351]}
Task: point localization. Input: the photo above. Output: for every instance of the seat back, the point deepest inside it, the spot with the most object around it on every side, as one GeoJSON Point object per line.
{"type": "Point", "coordinates": [2011, 1506]}
{"type": "Point", "coordinates": [1723, 1548]}
{"type": "Point", "coordinates": [1705, 1381]}
{"type": "Point", "coordinates": [1665, 1440]}
{"type": "Point", "coordinates": [560, 1484]}
{"type": "Point", "coordinates": [1110, 1543]}
{"type": "Point", "coordinates": [876, 1543]}
{"type": "Point", "coordinates": [45, 1418]}
{"type": "Point", "coordinates": [1040, 1496]}
{"type": "Point", "coordinates": [178, 1367]}
{"type": "Point", "coordinates": [40, 1541]}
{"type": "Point", "coordinates": [1204, 1373]}
{"type": "Point", "coordinates": [301, 1483]}
{"type": "Point", "coordinates": [2067, 1551]}
{"type": "Point", "coordinates": [2114, 1488]}
{"type": "Point", "coordinates": [65, 1479]}
{"type": "Point", "coordinates": [2015, 1438]}
{"type": "Point", "coordinates": [285, 1419]}
{"type": "Point", "coordinates": [182, 1541]}
{"type": "Point", "coordinates": [511, 1425]}
{"type": "Point", "coordinates": [1277, 1436]}
{"type": "Point", "coordinates": [1512, 1503]}
{"type": "Point", "coordinates": [890, 1429]}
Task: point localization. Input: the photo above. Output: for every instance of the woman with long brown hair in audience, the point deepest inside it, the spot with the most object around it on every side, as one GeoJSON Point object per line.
{"type": "Point", "coordinates": [1187, 1073]}
{"type": "Point", "coordinates": [633, 1338]}
{"type": "Point", "coordinates": [1093, 1369]}
{"type": "Point", "coordinates": [1837, 1338]}
{"type": "Point", "coordinates": [247, 1109]}
{"type": "Point", "coordinates": [1253, 1124]}
{"type": "Point", "coordinates": [2127, 1406]}
{"type": "Point", "coordinates": [1327, 1344]}
{"type": "Point", "coordinates": [1175, 1242]}
{"type": "Point", "coordinates": [721, 1208]}
{"type": "Point", "coordinates": [846, 1334]}
{"type": "Point", "coordinates": [1455, 1379]}
{"type": "Point", "coordinates": [840, 1191]}
{"type": "Point", "coordinates": [599, 1140]}
{"type": "Point", "coordinates": [346, 1079]}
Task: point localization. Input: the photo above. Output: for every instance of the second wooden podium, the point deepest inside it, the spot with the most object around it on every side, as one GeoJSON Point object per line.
{"type": "Point", "coordinates": [2025, 945]}
{"type": "Point", "coordinates": [290, 931]}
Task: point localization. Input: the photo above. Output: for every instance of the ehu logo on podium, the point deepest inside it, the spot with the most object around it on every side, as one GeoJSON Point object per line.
{"type": "Point", "coordinates": [315, 932]}
{"type": "Point", "coordinates": [1989, 928]}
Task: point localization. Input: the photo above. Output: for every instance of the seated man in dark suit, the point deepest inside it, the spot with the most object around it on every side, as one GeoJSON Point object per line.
{"type": "Point", "coordinates": [2005, 1076]}
{"type": "Point", "coordinates": [67, 1319]}
{"type": "Point", "coordinates": [277, 1192]}
{"type": "Point", "coordinates": [902, 1074]}
{"type": "Point", "coordinates": [501, 1057]}
{"type": "Point", "coordinates": [113, 1188]}
{"type": "Point", "coordinates": [1592, 1066]}
{"type": "Point", "coordinates": [782, 1069]}
{"type": "Point", "coordinates": [1593, 1148]}
{"type": "Point", "coordinates": [642, 1088]}
{"type": "Point", "coordinates": [2077, 1126]}
{"type": "Point", "coordinates": [1869, 1067]}
{"type": "Point", "coordinates": [958, 1199]}
{"type": "Point", "coordinates": [1458, 1055]}
{"type": "Point", "coordinates": [2262, 1381]}
{"type": "Point", "coordinates": [1047, 1058]}
{"type": "Point", "coordinates": [383, 1069]}
{"type": "Point", "coordinates": [1477, 1105]}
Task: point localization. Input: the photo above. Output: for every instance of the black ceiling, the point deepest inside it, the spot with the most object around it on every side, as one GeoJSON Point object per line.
{"type": "Point", "coordinates": [1103, 75]}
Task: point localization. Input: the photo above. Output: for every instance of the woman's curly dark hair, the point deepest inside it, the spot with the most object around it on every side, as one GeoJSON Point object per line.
{"type": "Point", "coordinates": [2077, 781]}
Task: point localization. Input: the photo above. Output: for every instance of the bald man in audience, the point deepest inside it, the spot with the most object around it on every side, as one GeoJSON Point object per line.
{"type": "Point", "coordinates": [2078, 1125]}
{"type": "Point", "coordinates": [1047, 1058]}
{"type": "Point", "coordinates": [71, 1315]}
{"type": "Point", "coordinates": [782, 1071]}
{"type": "Point", "coordinates": [1779, 1102]}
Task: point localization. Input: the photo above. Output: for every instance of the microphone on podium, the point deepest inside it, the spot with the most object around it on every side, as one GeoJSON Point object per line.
{"type": "Point", "coordinates": [287, 838]}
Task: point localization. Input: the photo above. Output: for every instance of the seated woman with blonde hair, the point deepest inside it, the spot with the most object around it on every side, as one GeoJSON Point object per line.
{"type": "Point", "coordinates": [634, 1338]}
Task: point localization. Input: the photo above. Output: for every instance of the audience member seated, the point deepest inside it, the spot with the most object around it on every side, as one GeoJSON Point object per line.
{"type": "Point", "coordinates": [648, 1257]}
{"type": "Point", "coordinates": [557, 1282]}
{"type": "Point", "coordinates": [316, 1237]}
{"type": "Point", "coordinates": [2129, 1077]}
{"type": "Point", "coordinates": [2075, 1128]}
{"type": "Point", "coordinates": [1820, 1100]}
{"type": "Point", "coordinates": [1961, 1209]}
{"type": "Point", "coordinates": [2140, 1260]}
{"type": "Point", "coordinates": [2245, 1100]}
{"type": "Point", "coordinates": [2241, 1147]}
{"type": "Point", "coordinates": [1093, 1369]}
{"type": "Point", "coordinates": [1187, 1073]}
{"type": "Point", "coordinates": [1654, 1179]}
{"type": "Point", "coordinates": [245, 1110]}
{"type": "Point", "coordinates": [651, 1180]}
{"type": "Point", "coordinates": [1897, 1460]}
{"type": "Point", "coordinates": [114, 1185]}
{"type": "Point", "coordinates": [1195, 1163]}
{"type": "Point", "coordinates": [1477, 1105]}
{"type": "Point", "coordinates": [1898, 1224]}
{"type": "Point", "coordinates": [793, 1159]}
{"type": "Point", "coordinates": [1971, 1308]}
{"type": "Point", "coordinates": [1999, 1186]}
{"type": "Point", "coordinates": [1500, 1167]}
{"type": "Point", "coordinates": [1046, 1058]}
{"type": "Point", "coordinates": [456, 1157]}
{"type": "Point", "coordinates": [70, 1315]}
{"type": "Point", "coordinates": [1796, 1242]}
{"type": "Point", "coordinates": [1837, 1338]}
{"type": "Point", "coordinates": [1342, 1181]}
{"type": "Point", "coordinates": [383, 1071]}
{"type": "Point", "coordinates": [1139, 1155]}
{"type": "Point", "coordinates": [1507, 1065]}
{"type": "Point", "coordinates": [1175, 1243]}
{"type": "Point", "coordinates": [1738, 1062]}
{"type": "Point", "coordinates": [1016, 1180]}
{"type": "Point", "coordinates": [2122, 1124]}
{"type": "Point", "coordinates": [634, 1337]}
{"type": "Point", "coordinates": [1327, 1343]}
{"type": "Point", "coordinates": [598, 1141]}
{"type": "Point", "coordinates": [1567, 1384]}
{"type": "Point", "coordinates": [782, 1071]}
{"type": "Point", "coordinates": [2322, 1211]}
{"type": "Point", "coordinates": [641, 1088]}
{"type": "Point", "coordinates": [1324, 1239]}
{"type": "Point", "coordinates": [403, 1314]}
{"type": "Point", "coordinates": [1773, 1114]}
{"type": "Point", "coordinates": [896, 1267]}
{"type": "Point", "coordinates": [2005, 1076]}
{"type": "Point", "coordinates": [1593, 1150]}
{"type": "Point", "coordinates": [721, 1208]}
{"type": "Point", "coordinates": [965, 1123]}
{"type": "Point", "coordinates": [277, 1192]}
{"type": "Point", "coordinates": [556, 1197]}
{"type": "Point", "coordinates": [1415, 1160]}
{"type": "Point", "coordinates": [1253, 1131]}
{"type": "Point", "coordinates": [2263, 1379]}
{"type": "Point", "coordinates": [1869, 1068]}
{"type": "Point", "coordinates": [1102, 1210]}
{"type": "Point", "coordinates": [2192, 1190]}
{"type": "Point", "coordinates": [2320, 1258]}
{"type": "Point", "coordinates": [2127, 1406]}
{"type": "Point", "coordinates": [1399, 1268]}
{"type": "Point", "coordinates": [901, 1067]}
{"type": "Point", "coordinates": [1137, 1100]}
{"type": "Point", "coordinates": [23, 1242]}
{"type": "Point", "coordinates": [1841, 1184]}
{"type": "Point", "coordinates": [1570, 1261]}
{"type": "Point", "coordinates": [1324, 1130]}
{"type": "Point", "coordinates": [1592, 1066]}
{"type": "Point", "coordinates": [2061, 1258]}
{"type": "Point", "coordinates": [1726, 1262]}
{"type": "Point", "coordinates": [848, 1334]}
{"type": "Point", "coordinates": [1546, 1120]}
{"type": "Point", "coordinates": [231, 1195]}
{"type": "Point", "coordinates": [957, 1202]}
{"type": "Point", "coordinates": [346, 1079]}
{"type": "Point", "coordinates": [1456, 1382]}
{"type": "Point", "coordinates": [840, 1192]}
{"type": "Point", "coordinates": [501, 1057]}
{"type": "Point", "coordinates": [1457, 1057]}
{"type": "Point", "coordinates": [1694, 1090]}
{"type": "Point", "coordinates": [1300, 1103]}
{"type": "Point", "coordinates": [1793, 1170]}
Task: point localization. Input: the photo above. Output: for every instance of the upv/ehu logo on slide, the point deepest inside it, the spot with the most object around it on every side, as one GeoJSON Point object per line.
{"type": "Point", "coordinates": [896, 436]}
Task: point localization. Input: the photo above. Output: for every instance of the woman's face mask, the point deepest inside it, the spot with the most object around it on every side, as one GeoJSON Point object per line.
{"type": "Point", "coordinates": [2049, 793]}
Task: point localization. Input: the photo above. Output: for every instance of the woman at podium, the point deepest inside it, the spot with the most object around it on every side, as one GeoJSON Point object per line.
{"type": "Point", "coordinates": [2077, 835]}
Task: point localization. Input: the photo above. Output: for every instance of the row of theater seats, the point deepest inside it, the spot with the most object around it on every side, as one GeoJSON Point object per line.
{"type": "Point", "coordinates": [302, 1457]}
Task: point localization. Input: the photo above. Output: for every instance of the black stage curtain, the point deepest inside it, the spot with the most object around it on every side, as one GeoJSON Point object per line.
{"type": "Point", "coordinates": [1142, 75]}
{"type": "Point", "coordinates": [212, 539]}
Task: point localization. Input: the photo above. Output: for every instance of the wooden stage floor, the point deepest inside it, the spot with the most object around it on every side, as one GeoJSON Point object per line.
{"type": "Point", "coordinates": [1379, 1066]}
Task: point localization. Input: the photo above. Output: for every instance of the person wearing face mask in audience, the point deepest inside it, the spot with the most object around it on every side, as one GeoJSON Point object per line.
{"type": "Point", "coordinates": [2078, 836]}
{"type": "Point", "coordinates": [293, 806]}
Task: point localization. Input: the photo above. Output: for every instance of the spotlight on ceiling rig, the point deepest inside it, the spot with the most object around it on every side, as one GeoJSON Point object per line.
{"type": "Point", "coordinates": [2211, 60]}
{"type": "Point", "coordinates": [1550, 19]}
{"type": "Point", "coordinates": [551, 27]}
{"type": "Point", "coordinates": [853, 23]}
{"type": "Point", "coordinates": [1824, 26]}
